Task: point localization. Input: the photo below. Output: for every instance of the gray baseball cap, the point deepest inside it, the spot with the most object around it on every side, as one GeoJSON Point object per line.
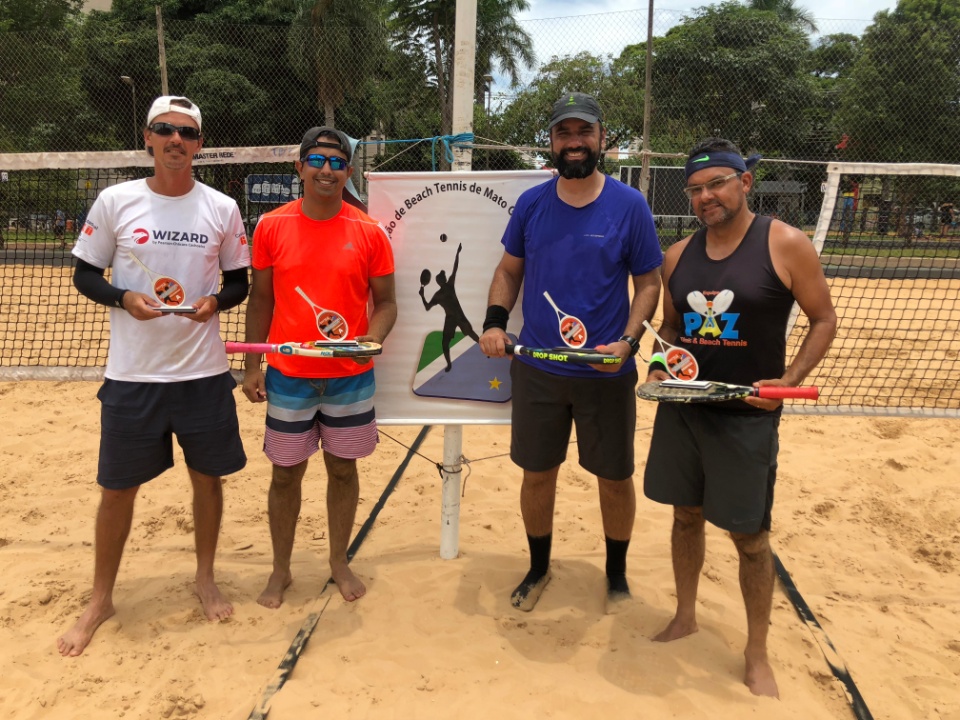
{"type": "Point", "coordinates": [576, 105]}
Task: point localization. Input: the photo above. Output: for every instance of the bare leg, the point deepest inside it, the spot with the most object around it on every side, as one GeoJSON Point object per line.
{"type": "Point", "coordinates": [756, 584]}
{"type": "Point", "coordinates": [538, 494]}
{"type": "Point", "coordinates": [618, 508]}
{"type": "Point", "coordinates": [688, 546]}
{"type": "Point", "coordinates": [114, 518]}
{"type": "Point", "coordinates": [343, 493]}
{"type": "Point", "coordinates": [207, 513]}
{"type": "Point", "coordinates": [283, 507]}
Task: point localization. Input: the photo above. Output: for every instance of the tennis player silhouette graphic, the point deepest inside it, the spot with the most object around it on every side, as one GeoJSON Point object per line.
{"type": "Point", "coordinates": [446, 297]}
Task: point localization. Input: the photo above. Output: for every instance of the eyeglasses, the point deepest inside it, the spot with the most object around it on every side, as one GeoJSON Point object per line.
{"type": "Point", "coordinates": [714, 185]}
{"type": "Point", "coordinates": [318, 161]}
{"type": "Point", "coordinates": [166, 130]}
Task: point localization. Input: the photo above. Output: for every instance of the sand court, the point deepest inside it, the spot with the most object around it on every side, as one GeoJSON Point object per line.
{"type": "Point", "coordinates": [866, 521]}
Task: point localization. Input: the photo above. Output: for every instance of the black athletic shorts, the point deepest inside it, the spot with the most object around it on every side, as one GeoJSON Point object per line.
{"type": "Point", "coordinates": [138, 421]}
{"type": "Point", "coordinates": [545, 405]}
{"type": "Point", "coordinates": [722, 462]}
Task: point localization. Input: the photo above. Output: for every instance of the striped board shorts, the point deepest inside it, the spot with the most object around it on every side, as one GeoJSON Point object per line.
{"type": "Point", "coordinates": [304, 414]}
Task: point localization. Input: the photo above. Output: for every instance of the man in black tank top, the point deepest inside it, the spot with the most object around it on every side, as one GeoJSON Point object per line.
{"type": "Point", "coordinates": [728, 292]}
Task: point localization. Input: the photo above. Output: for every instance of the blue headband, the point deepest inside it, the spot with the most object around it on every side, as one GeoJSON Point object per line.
{"type": "Point", "coordinates": [720, 158]}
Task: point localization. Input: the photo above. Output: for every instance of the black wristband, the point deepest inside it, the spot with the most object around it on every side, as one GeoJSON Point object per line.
{"type": "Point", "coordinates": [119, 301]}
{"type": "Point", "coordinates": [632, 342]}
{"type": "Point", "coordinates": [497, 317]}
{"type": "Point", "coordinates": [216, 296]}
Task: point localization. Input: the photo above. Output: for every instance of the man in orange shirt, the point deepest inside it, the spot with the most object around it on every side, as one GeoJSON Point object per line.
{"type": "Point", "coordinates": [315, 263]}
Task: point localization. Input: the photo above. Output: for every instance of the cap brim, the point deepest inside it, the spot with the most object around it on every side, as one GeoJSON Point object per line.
{"type": "Point", "coordinates": [578, 115]}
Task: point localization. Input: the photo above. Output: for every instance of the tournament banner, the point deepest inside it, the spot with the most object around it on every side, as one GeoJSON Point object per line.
{"type": "Point", "coordinates": [445, 230]}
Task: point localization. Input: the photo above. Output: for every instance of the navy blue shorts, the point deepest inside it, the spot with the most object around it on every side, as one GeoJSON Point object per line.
{"type": "Point", "coordinates": [545, 407]}
{"type": "Point", "coordinates": [138, 421]}
{"type": "Point", "coordinates": [722, 462]}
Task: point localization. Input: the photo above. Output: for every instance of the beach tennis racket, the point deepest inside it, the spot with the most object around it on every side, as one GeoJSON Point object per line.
{"type": "Point", "coordinates": [699, 391]}
{"type": "Point", "coordinates": [571, 356]}
{"type": "Point", "coordinates": [167, 290]}
{"type": "Point", "coordinates": [318, 348]}
{"type": "Point", "coordinates": [572, 331]}
{"type": "Point", "coordinates": [681, 364]}
{"type": "Point", "coordinates": [331, 324]}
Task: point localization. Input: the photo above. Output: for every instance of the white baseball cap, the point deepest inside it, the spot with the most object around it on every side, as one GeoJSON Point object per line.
{"type": "Point", "coordinates": [165, 104]}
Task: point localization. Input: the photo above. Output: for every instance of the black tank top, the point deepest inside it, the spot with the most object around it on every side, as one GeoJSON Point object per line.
{"type": "Point", "coordinates": [733, 312]}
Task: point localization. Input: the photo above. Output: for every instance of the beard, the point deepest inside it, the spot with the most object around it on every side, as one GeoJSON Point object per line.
{"type": "Point", "coordinates": [719, 213]}
{"type": "Point", "coordinates": [576, 170]}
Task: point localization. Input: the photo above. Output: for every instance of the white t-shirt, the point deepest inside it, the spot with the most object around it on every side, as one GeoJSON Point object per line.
{"type": "Point", "coordinates": [190, 239]}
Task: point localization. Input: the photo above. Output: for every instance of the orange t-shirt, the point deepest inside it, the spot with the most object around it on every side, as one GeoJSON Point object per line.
{"type": "Point", "coordinates": [331, 261]}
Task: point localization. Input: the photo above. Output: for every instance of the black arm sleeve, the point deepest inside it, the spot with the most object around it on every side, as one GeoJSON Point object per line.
{"type": "Point", "coordinates": [236, 284]}
{"type": "Point", "coordinates": [91, 283]}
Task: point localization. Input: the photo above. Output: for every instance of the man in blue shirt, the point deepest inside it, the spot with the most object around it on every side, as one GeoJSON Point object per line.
{"type": "Point", "coordinates": [576, 241]}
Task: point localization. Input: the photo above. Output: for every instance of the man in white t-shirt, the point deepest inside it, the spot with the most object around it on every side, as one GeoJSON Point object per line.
{"type": "Point", "coordinates": [167, 239]}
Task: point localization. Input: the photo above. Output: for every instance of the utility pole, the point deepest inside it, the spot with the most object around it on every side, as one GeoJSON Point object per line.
{"type": "Point", "coordinates": [164, 86]}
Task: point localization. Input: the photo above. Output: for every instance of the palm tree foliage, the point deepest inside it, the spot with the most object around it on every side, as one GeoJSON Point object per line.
{"type": "Point", "coordinates": [335, 46]}
{"type": "Point", "coordinates": [788, 11]}
{"type": "Point", "coordinates": [427, 28]}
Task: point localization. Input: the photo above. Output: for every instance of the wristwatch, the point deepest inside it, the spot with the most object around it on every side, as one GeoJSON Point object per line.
{"type": "Point", "coordinates": [632, 342]}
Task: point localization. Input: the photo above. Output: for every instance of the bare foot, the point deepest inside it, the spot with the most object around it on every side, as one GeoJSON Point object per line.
{"type": "Point", "coordinates": [349, 584]}
{"type": "Point", "coordinates": [759, 677]}
{"type": "Point", "coordinates": [676, 629]}
{"type": "Point", "coordinates": [75, 640]}
{"type": "Point", "coordinates": [618, 595]}
{"type": "Point", "coordinates": [215, 605]}
{"type": "Point", "coordinates": [272, 595]}
{"type": "Point", "coordinates": [528, 592]}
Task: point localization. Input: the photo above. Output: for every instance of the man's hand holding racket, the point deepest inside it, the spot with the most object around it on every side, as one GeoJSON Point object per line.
{"type": "Point", "coordinates": [618, 349]}
{"type": "Point", "coordinates": [768, 404]}
{"type": "Point", "coordinates": [494, 342]}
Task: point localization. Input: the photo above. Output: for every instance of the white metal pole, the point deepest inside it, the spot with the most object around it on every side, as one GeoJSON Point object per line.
{"type": "Point", "coordinates": [450, 503]}
{"type": "Point", "coordinates": [464, 62]}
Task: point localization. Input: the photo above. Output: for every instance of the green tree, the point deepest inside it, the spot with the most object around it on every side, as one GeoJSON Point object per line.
{"type": "Point", "coordinates": [736, 73]}
{"type": "Point", "coordinates": [425, 28]}
{"type": "Point", "coordinates": [335, 46]}
{"type": "Point", "coordinates": [830, 63]}
{"type": "Point", "coordinates": [902, 100]}
{"type": "Point", "coordinates": [42, 103]}
{"type": "Point", "coordinates": [28, 15]}
{"type": "Point", "coordinates": [788, 11]}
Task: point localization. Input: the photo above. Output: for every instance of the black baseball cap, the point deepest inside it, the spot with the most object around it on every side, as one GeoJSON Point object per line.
{"type": "Point", "coordinates": [576, 105]}
{"type": "Point", "coordinates": [325, 137]}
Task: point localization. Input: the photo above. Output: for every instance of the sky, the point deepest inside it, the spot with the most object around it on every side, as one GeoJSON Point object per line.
{"type": "Point", "coordinates": [565, 27]}
{"type": "Point", "coordinates": [821, 9]}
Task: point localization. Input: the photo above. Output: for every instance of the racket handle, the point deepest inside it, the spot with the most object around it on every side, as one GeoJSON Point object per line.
{"type": "Point", "coordinates": [239, 347]}
{"type": "Point", "coordinates": [774, 392]}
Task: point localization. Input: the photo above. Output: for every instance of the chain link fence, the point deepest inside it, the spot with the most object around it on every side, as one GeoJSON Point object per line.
{"type": "Point", "coordinates": [801, 92]}
{"type": "Point", "coordinates": [855, 90]}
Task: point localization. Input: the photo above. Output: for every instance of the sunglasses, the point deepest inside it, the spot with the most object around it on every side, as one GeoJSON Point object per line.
{"type": "Point", "coordinates": [166, 130]}
{"type": "Point", "coordinates": [318, 161]}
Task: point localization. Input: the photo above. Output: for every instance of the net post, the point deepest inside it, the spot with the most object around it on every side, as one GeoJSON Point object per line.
{"type": "Point", "coordinates": [450, 503]}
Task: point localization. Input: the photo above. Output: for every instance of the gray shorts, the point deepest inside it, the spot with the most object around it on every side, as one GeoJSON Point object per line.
{"type": "Point", "coordinates": [138, 421]}
{"type": "Point", "coordinates": [545, 406]}
{"type": "Point", "coordinates": [722, 462]}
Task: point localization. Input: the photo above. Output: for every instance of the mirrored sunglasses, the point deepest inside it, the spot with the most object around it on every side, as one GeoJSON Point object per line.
{"type": "Point", "coordinates": [318, 161]}
{"type": "Point", "coordinates": [166, 129]}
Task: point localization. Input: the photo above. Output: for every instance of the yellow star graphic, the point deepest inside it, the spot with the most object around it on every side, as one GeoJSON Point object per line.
{"type": "Point", "coordinates": [495, 384]}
